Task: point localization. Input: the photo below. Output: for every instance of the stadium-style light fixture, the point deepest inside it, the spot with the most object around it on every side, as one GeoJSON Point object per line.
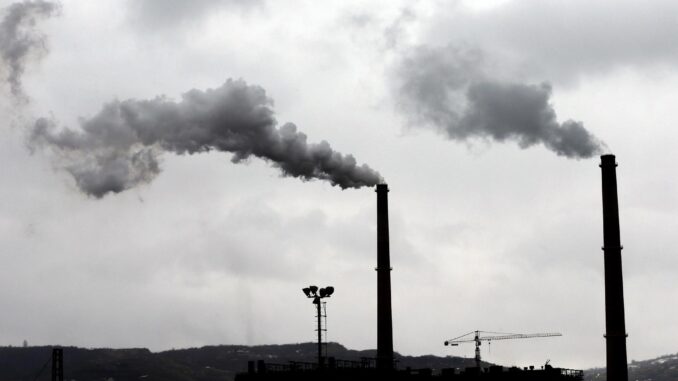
{"type": "Point", "coordinates": [315, 294]}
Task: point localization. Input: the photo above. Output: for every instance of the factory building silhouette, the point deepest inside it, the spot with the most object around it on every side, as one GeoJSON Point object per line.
{"type": "Point", "coordinates": [384, 365]}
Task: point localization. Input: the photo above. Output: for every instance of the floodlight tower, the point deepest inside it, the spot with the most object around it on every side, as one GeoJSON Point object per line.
{"type": "Point", "coordinates": [316, 294]}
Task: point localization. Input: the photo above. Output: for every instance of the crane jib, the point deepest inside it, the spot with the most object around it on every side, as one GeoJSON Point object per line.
{"type": "Point", "coordinates": [478, 339]}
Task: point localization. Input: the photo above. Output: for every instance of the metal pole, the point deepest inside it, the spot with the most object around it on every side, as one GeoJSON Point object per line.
{"type": "Point", "coordinates": [57, 364]}
{"type": "Point", "coordinates": [477, 340]}
{"type": "Point", "coordinates": [320, 334]}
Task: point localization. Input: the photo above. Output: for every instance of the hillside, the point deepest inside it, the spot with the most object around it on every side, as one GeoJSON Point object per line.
{"type": "Point", "coordinates": [222, 362]}
{"type": "Point", "coordinates": [210, 363]}
{"type": "Point", "coordinates": [663, 368]}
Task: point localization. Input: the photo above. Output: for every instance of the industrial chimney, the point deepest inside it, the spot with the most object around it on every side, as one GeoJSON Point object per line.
{"type": "Point", "coordinates": [384, 320]}
{"type": "Point", "coordinates": [614, 288]}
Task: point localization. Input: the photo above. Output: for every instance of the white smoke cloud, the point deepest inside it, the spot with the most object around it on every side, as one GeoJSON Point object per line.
{"type": "Point", "coordinates": [119, 147]}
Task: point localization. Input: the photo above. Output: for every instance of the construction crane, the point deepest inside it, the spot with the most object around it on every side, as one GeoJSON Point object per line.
{"type": "Point", "coordinates": [479, 337]}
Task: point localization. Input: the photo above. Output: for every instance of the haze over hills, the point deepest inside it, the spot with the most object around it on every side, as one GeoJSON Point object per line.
{"type": "Point", "coordinates": [212, 363]}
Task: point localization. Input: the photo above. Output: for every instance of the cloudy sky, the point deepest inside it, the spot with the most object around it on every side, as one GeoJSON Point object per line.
{"type": "Point", "coordinates": [154, 194]}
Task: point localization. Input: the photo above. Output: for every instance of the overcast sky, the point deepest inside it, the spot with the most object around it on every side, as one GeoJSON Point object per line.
{"type": "Point", "coordinates": [486, 119]}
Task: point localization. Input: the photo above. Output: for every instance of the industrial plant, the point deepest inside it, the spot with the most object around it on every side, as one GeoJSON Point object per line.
{"type": "Point", "coordinates": [384, 365]}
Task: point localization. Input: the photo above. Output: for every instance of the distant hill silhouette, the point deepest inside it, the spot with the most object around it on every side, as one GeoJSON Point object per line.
{"type": "Point", "coordinates": [221, 363]}
{"type": "Point", "coordinates": [209, 363]}
{"type": "Point", "coordinates": [663, 368]}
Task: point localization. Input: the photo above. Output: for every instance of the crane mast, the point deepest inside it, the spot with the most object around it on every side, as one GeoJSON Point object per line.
{"type": "Point", "coordinates": [479, 337]}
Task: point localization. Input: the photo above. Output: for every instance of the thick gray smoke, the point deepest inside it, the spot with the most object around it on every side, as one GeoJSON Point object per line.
{"type": "Point", "coordinates": [118, 148]}
{"type": "Point", "coordinates": [20, 41]}
{"type": "Point", "coordinates": [450, 89]}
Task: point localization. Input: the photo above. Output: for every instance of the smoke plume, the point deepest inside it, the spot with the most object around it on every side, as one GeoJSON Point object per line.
{"type": "Point", "coordinates": [20, 41]}
{"type": "Point", "coordinates": [119, 147]}
{"type": "Point", "coordinates": [451, 90]}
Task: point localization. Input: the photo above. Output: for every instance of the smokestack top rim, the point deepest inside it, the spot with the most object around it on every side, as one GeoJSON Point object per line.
{"type": "Point", "coordinates": [382, 187]}
{"type": "Point", "coordinates": [608, 160]}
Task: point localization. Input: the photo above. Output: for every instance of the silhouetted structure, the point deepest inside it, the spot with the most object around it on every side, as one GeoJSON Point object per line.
{"type": "Point", "coordinates": [384, 319]}
{"type": "Point", "coordinates": [615, 336]}
{"type": "Point", "coordinates": [317, 295]}
{"type": "Point", "coordinates": [365, 370]}
{"type": "Point", "coordinates": [476, 338]}
{"type": "Point", "coordinates": [57, 364]}
{"type": "Point", "coordinates": [383, 366]}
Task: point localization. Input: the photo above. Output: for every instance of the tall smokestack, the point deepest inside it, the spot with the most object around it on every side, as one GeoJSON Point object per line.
{"type": "Point", "coordinates": [614, 288]}
{"type": "Point", "coordinates": [384, 319]}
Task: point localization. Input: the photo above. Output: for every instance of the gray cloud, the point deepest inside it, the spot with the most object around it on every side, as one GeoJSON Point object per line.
{"type": "Point", "coordinates": [451, 88]}
{"type": "Point", "coordinates": [162, 14]}
{"type": "Point", "coordinates": [20, 41]}
{"type": "Point", "coordinates": [561, 40]}
{"type": "Point", "coordinates": [119, 147]}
